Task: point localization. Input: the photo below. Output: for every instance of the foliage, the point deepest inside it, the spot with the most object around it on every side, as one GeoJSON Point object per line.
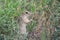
{"type": "Point", "coordinates": [11, 9]}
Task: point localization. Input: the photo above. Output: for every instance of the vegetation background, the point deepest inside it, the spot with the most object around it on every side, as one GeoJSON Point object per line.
{"type": "Point", "coordinates": [11, 9]}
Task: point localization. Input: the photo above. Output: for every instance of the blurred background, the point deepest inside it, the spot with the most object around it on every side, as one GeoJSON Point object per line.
{"type": "Point", "coordinates": [46, 17]}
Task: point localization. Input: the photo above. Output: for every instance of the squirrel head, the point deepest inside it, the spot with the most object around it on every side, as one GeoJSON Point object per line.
{"type": "Point", "coordinates": [25, 17]}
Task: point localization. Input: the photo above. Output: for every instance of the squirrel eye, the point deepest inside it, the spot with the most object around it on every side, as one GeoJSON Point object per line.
{"type": "Point", "coordinates": [26, 12]}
